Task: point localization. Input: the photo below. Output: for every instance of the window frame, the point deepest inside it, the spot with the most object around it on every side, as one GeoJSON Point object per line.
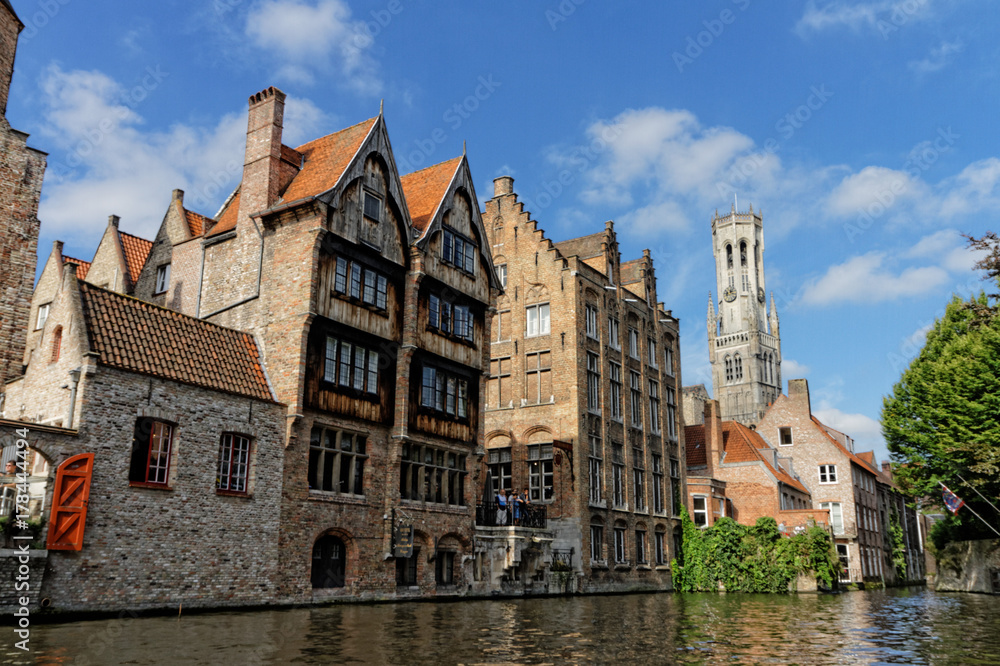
{"type": "Point", "coordinates": [620, 535]}
{"type": "Point", "coordinates": [633, 344]}
{"type": "Point", "coordinates": [458, 250]}
{"type": "Point", "coordinates": [597, 542]}
{"type": "Point", "coordinates": [342, 370]}
{"type": "Point", "coordinates": [782, 431]}
{"type": "Point", "coordinates": [541, 476]}
{"type": "Point", "coordinates": [223, 480]}
{"type": "Point", "coordinates": [502, 275]}
{"type": "Point", "coordinates": [356, 457]}
{"type": "Point", "coordinates": [840, 513]}
{"type": "Point", "coordinates": [703, 511]}
{"type": "Point", "coordinates": [156, 426]}
{"type": "Point", "coordinates": [593, 383]}
{"type": "Point", "coordinates": [162, 279]}
{"type": "Point", "coordinates": [590, 319]}
{"type": "Point", "coordinates": [42, 315]}
{"type": "Point", "coordinates": [635, 395]}
{"type": "Point", "coordinates": [447, 395]}
{"type": "Point", "coordinates": [654, 406]}
{"type": "Point", "coordinates": [614, 334]}
{"type": "Point", "coordinates": [433, 475]}
{"type": "Point", "coordinates": [533, 315]}
{"type": "Point", "coordinates": [596, 470]}
{"type": "Point", "coordinates": [829, 472]}
{"type": "Point", "coordinates": [615, 399]}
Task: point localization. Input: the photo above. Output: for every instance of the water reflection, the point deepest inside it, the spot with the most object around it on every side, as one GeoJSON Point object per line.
{"type": "Point", "coordinates": [912, 626]}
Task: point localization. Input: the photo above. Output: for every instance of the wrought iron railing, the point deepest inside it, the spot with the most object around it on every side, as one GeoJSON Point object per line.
{"type": "Point", "coordinates": [490, 514]}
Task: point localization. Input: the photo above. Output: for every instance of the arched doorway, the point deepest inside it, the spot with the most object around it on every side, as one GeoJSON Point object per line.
{"type": "Point", "coordinates": [329, 562]}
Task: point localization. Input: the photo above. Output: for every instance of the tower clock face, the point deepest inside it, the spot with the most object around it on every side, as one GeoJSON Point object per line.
{"type": "Point", "coordinates": [760, 294]}
{"type": "Point", "coordinates": [729, 294]}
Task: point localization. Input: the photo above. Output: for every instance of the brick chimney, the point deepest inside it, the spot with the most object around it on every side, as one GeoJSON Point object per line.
{"type": "Point", "coordinates": [262, 164]}
{"type": "Point", "coordinates": [713, 435]}
{"type": "Point", "coordinates": [798, 393]}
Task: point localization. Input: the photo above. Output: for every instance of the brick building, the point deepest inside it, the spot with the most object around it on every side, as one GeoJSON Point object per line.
{"type": "Point", "coordinates": [733, 472]}
{"type": "Point", "coordinates": [581, 407]}
{"type": "Point", "coordinates": [838, 479]}
{"type": "Point", "coordinates": [21, 172]}
{"type": "Point", "coordinates": [186, 448]}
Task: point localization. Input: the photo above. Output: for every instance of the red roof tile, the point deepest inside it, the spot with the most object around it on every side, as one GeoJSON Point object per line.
{"type": "Point", "coordinates": [81, 266]}
{"type": "Point", "coordinates": [325, 160]}
{"type": "Point", "coordinates": [425, 189]}
{"type": "Point", "coordinates": [746, 445]}
{"type": "Point", "coordinates": [196, 223]}
{"type": "Point", "coordinates": [694, 437]}
{"type": "Point", "coordinates": [323, 163]}
{"type": "Point", "coordinates": [140, 337]}
{"type": "Point", "coordinates": [136, 250]}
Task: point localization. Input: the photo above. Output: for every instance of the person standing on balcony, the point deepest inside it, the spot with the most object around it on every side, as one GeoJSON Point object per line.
{"type": "Point", "coordinates": [502, 507]}
{"type": "Point", "coordinates": [525, 502]}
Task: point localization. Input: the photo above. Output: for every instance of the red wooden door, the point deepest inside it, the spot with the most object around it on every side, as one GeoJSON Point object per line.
{"type": "Point", "coordinates": [69, 503]}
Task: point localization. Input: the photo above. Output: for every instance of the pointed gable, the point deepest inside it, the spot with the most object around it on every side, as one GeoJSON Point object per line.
{"type": "Point", "coordinates": [81, 266]}
{"type": "Point", "coordinates": [425, 190]}
{"type": "Point", "coordinates": [324, 161]}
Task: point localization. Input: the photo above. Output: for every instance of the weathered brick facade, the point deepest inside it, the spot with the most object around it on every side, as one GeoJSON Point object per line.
{"type": "Point", "coordinates": [734, 473]}
{"type": "Point", "coordinates": [21, 172]}
{"type": "Point", "coordinates": [559, 408]}
{"type": "Point", "coordinates": [835, 476]}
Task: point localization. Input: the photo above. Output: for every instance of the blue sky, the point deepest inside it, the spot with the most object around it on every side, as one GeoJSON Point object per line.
{"type": "Point", "coordinates": [865, 131]}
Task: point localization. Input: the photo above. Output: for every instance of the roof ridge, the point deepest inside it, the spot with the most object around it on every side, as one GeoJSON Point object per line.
{"type": "Point", "coordinates": [125, 233]}
{"type": "Point", "coordinates": [320, 138]}
{"type": "Point", "coordinates": [154, 306]}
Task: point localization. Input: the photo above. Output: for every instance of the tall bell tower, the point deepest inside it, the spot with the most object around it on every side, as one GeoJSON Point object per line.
{"type": "Point", "coordinates": [744, 345]}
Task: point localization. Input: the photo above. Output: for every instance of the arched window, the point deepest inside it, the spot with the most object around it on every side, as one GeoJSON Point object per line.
{"type": "Point", "coordinates": [56, 343]}
{"type": "Point", "coordinates": [329, 562]}
{"type": "Point", "coordinates": [729, 369]}
{"type": "Point", "coordinates": [743, 254]}
{"type": "Point", "coordinates": [729, 256]}
{"type": "Point", "coordinates": [771, 358]}
{"type": "Point", "coordinates": [737, 368]}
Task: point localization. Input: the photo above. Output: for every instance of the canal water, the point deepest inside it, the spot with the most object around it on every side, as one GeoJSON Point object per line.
{"type": "Point", "coordinates": [902, 626]}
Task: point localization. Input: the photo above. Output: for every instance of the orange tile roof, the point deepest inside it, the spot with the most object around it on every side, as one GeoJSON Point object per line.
{"type": "Point", "coordinates": [694, 437]}
{"type": "Point", "coordinates": [140, 337]}
{"type": "Point", "coordinates": [196, 223]}
{"type": "Point", "coordinates": [323, 163]}
{"type": "Point", "coordinates": [81, 266]}
{"type": "Point", "coordinates": [425, 189]}
{"type": "Point", "coordinates": [136, 250]}
{"type": "Point", "coordinates": [858, 461]}
{"type": "Point", "coordinates": [746, 445]}
{"type": "Point", "coordinates": [326, 159]}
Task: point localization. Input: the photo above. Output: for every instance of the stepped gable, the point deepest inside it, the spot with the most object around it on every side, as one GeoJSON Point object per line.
{"type": "Point", "coordinates": [136, 251]}
{"type": "Point", "coordinates": [584, 247]}
{"type": "Point", "coordinates": [425, 189]}
{"type": "Point", "coordinates": [631, 271]}
{"type": "Point", "coordinates": [81, 266]}
{"type": "Point", "coordinates": [137, 336]}
{"type": "Point", "coordinates": [323, 162]}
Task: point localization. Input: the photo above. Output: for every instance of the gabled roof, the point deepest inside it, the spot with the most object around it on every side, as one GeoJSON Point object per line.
{"type": "Point", "coordinates": [136, 250]}
{"type": "Point", "coordinates": [855, 459]}
{"type": "Point", "coordinates": [425, 189]}
{"type": "Point", "coordinates": [324, 161]}
{"type": "Point", "coordinates": [583, 247]}
{"type": "Point", "coordinates": [746, 445]}
{"type": "Point", "coordinates": [81, 266]}
{"type": "Point", "coordinates": [695, 453]}
{"type": "Point", "coordinates": [133, 335]}
{"type": "Point", "coordinates": [196, 223]}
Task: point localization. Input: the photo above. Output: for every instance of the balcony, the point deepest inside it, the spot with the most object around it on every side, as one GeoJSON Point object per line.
{"type": "Point", "coordinates": [532, 516]}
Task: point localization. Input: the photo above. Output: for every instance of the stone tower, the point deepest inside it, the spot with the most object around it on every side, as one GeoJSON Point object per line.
{"type": "Point", "coordinates": [744, 346]}
{"type": "Point", "coordinates": [21, 171]}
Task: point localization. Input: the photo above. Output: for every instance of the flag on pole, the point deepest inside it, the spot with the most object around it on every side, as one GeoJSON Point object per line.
{"type": "Point", "coordinates": [951, 500]}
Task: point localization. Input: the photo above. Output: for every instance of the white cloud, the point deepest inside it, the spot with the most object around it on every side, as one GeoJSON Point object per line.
{"type": "Point", "coordinates": [793, 369]}
{"type": "Point", "coordinates": [654, 219]}
{"type": "Point", "coordinates": [105, 162]}
{"type": "Point", "coordinates": [870, 186]}
{"type": "Point", "coordinates": [938, 58]}
{"type": "Point", "coordinates": [864, 430]}
{"type": "Point", "coordinates": [312, 36]}
{"type": "Point", "coordinates": [865, 279]}
{"type": "Point", "coordinates": [883, 16]}
{"type": "Point", "coordinates": [975, 189]}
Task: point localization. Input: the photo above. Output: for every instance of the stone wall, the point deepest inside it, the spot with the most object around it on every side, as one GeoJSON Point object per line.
{"type": "Point", "coordinates": [969, 566]}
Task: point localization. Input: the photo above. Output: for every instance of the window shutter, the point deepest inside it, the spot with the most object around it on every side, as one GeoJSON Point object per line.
{"type": "Point", "coordinates": [69, 503]}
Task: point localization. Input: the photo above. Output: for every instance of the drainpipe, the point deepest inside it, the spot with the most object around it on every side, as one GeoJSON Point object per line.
{"type": "Point", "coordinates": [74, 380]}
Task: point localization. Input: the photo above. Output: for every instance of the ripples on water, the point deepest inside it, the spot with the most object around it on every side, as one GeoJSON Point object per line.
{"type": "Point", "coordinates": [910, 626]}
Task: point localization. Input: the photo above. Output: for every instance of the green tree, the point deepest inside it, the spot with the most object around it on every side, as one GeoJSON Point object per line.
{"type": "Point", "coordinates": [942, 419]}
